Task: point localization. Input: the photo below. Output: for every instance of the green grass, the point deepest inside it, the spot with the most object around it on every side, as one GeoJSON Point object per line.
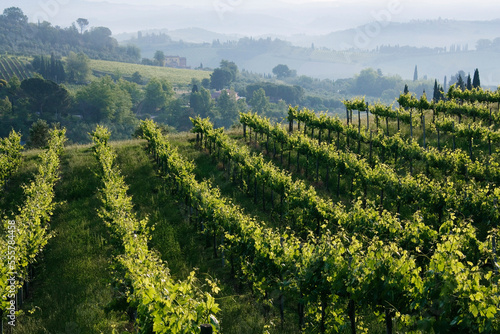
{"type": "Point", "coordinates": [72, 291]}
{"type": "Point", "coordinates": [176, 76]}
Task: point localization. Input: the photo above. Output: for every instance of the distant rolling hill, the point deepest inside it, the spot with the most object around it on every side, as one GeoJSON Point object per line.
{"type": "Point", "coordinates": [317, 57]}
{"type": "Point", "coordinates": [428, 33]}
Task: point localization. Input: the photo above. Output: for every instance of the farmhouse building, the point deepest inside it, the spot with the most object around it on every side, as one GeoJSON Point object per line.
{"type": "Point", "coordinates": [176, 61]}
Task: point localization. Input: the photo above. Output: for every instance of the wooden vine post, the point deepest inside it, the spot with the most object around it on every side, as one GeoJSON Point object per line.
{"type": "Point", "coordinates": [367, 117]}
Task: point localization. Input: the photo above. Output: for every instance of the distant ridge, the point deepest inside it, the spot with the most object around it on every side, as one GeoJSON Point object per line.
{"type": "Point", "coordinates": [418, 33]}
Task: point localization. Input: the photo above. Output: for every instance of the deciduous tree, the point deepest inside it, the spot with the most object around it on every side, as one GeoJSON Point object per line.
{"type": "Point", "coordinates": [260, 102]}
{"type": "Point", "coordinates": [83, 23]}
{"type": "Point", "coordinates": [103, 100]}
{"type": "Point", "coordinates": [47, 98]}
{"type": "Point", "coordinates": [281, 71]}
{"type": "Point", "coordinates": [220, 78]}
{"type": "Point", "coordinates": [78, 67]}
{"type": "Point", "coordinates": [158, 94]}
{"type": "Point", "coordinates": [159, 58]}
{"type": "Point", "coordinates": [201, 102]}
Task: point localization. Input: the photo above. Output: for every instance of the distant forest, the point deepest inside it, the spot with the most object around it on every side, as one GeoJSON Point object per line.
{"type": "Point", "coordinates": [19, 37]}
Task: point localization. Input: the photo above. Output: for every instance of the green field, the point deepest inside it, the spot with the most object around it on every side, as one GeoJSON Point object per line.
{"type": "Point", "coordinates": [176, 76]}
{"type": "Point", "coordinates": [13, 65]}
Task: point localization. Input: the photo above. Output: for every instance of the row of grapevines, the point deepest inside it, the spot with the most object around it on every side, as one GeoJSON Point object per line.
{"type": "Point", "coordinates": [409, 101]}
{"type": "Point", "coordinates": [473, 107]}
{"type": "Point", "coordinates": [27, 233]}
{"type": "Point", "coordinates": [405, 116]}
{"type": "Point", "coordinates": [474, 95]}
{"type": "Point", "coordinates": [438, 196]}
{"type": "Point", "coordinates": [471, 110]}
{"type": "Point", "coordinates": [301, 202]}
{"type": "Point", "coordinates": [166, 305]}
{"type": "Point", "coordinates": [315, 272]}
{"type": "Point", "coordinates": [10, 156]}
{"type": "Point", "coordinates": [449, 161]}
{"type": "Point", "coordinates": [469, 131]}
{"type": "Point", "coordinates": [333, 216]}
{"type": "Point", "coordinates": [8, 68]}
{"type": "Point", "coordinates": [380, 110]}
{"type": "Point", "coordinates": [455, 162]}
{"type": "Point", "coordinates": [20, 68]}
{"type": "Point", "coordinates": [3, 71]}
{"type": "Point", "coordinates": [371, 256]}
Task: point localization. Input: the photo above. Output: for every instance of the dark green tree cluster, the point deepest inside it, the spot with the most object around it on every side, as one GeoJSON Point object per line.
{"type": "Point", "coordinates": [201, 101]}
{"type": "Point", "coordinates": [282, 71]}
{"type": "Point", "coordinates": [39, 134]}
{"type": "Point", "coordinates": [52, 69]}
{"type": "Point", "coordinates": [105, 100]}
{"type": "Point", "coordinates": [117, 103]}
{"type": "Point", "coordinates": [290, 94]}
{"type": "Point", "coordinates": [438, 93]}
{"type": "Point", "coordinates": [18, 36]}
{"type": "Point", "coordinates": [158, 94]}
{"type": "Point", "coordinates": [222, 76]}
{"type": "Point", "coordinates": [23, 103]}
{"type": "Point", "coordinates": [227, 109]}
{"type": "Point", "coordinates": [466, 82]}
{"type": "Point", "coordinates": [45, 96]}
{"type": "Point", "coordinates": [78, 67]}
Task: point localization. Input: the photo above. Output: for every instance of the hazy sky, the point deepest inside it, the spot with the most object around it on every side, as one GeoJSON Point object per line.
{"type": "Point", "coordinates": [250, 16]}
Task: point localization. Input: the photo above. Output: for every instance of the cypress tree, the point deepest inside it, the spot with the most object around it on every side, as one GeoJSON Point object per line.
{"type": "Point", "coordinates": [61, 74]}
{"type": "Point", "coordinates": [406, 90]}
{"type": "Point", "coordinates": [469, 82]}
{"type": "Point", "coordinates": [435, 94]}
{"type": "Point", "coordinates": [460, 82]}
{"type": "Point", "coordinates": [43, 67]}
{"type": "Point", "coordinates": [475, 81]}
{"type": "Point", "coordinates": [415, 74]}
{"type": "Point", "coordinates": [53, 68]}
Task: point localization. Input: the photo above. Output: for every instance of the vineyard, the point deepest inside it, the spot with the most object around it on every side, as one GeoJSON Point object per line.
{"type": "Point", "coordinates": [10, 66]}
{"type": "Point", "coordinates": [385, 221]}
{"type": "Point", "coordinates": [176, 76]}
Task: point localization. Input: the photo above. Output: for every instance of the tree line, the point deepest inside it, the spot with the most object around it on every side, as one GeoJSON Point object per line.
{"type": "Point", "coordinates": [18, 36]}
